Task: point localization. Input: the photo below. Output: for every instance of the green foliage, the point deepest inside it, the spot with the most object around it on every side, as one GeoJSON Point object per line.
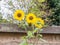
{"type": "Point", "coordinates": [24, 43]}
{"type": "Point", "coordinates": [54, 3]}
{"type": "Point", "coordinates": [30, 34]}
{"type": "Point", "coordinates": [55, 17]}
{"type": "Point", "coordinates": [38, 8]}
{"type": "Point", "coordinates": [2, 20]}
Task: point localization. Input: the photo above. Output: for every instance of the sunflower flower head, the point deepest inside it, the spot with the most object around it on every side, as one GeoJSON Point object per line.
{"type": "Point", "coordinates": [18, 15]}
{"type": "Point", "coordinates": [39, 23]}
{"type": "Point", "coordinates": [31, 18]}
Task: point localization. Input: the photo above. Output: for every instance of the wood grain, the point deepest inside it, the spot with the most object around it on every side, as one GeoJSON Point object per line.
{"type": "Point", "coordinates": [15, 28]}
{"type": "Point", "coordinates": [15, 39]}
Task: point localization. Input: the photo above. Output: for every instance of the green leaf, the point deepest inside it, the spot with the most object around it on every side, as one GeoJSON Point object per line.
{"type": "Point", "coordinates": [36, 29]}
{"type": "Point", "coordinates": [24, 43]}
{"type": "Point", "coordinates": [30, 34]}
{"type": "Point", "coordinates": [39, 36]}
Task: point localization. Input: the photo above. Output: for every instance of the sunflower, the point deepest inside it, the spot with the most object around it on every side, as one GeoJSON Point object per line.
{"type": "Point", "coordinates": [18, 15]}
{"type": "Point", "coordinates": [39, 23]}
{"type": "Point", "coordinates": [31, 18]}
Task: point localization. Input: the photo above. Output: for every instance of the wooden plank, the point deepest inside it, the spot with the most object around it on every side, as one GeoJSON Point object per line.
{"type": "Point", "coordinates": [15, 28]}
{"type": "Point", "coordinates": [11, 28]}
{"type": "Point", "coordinates": [15, 39]}
{"type": "Point", "coordinates": [52, 30]}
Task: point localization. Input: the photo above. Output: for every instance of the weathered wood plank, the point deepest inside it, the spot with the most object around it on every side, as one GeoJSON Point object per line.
{"type": "Point", "coordinates": [10, 28]}
{"type": "Point", "coordinates": [15, 39]}
{"type": "Point", "coordinates": [15, 28]}
{"type": "Point", "coordinates": [52, 30]}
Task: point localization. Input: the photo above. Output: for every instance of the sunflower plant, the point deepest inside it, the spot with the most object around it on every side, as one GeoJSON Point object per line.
{"type": "Point", "coordinates": [29, 22]}
{"type": "Point", "coordinates": [30, 19]}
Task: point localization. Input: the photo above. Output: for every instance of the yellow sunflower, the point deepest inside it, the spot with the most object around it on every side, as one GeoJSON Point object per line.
{"type": "Point", "coordinates": [39, 23]}
{"type": "Point", "coordinates": [31, 18]}
{"type": "Point", "coordinates": [18, 15]}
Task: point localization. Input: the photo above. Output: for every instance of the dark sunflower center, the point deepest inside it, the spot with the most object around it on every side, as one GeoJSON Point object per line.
{"type": "Point", "coordinates": [19, 15]}
{"type": "Point", "coordinates": [31, 18]}
{"type": "Point", "coordinates": [30, 24]}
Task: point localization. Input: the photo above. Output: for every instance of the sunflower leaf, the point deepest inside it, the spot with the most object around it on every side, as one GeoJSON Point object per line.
{"type": "Point", "coordinates": [30, 34]}
{"type": "Point", "coordinates": [23, 43]}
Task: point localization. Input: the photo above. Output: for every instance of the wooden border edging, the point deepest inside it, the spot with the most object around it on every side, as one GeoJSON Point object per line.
{"type": "Point", "coordinates": [51, 30]}
{"type": "Point", "coordinates": [14, 28]}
